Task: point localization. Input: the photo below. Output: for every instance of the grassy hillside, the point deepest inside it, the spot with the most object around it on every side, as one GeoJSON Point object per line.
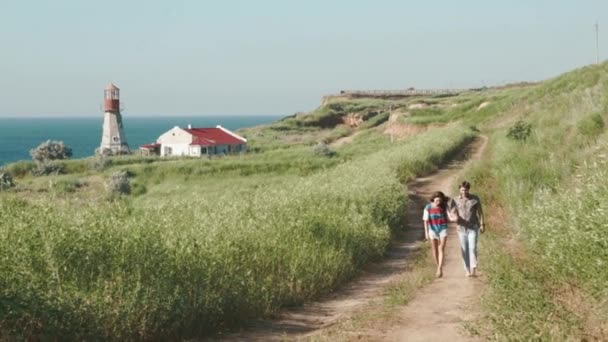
{"type": "Point", "coordinates": [201, 245]}
{"type": "Point", "coordinates": [547, 263]}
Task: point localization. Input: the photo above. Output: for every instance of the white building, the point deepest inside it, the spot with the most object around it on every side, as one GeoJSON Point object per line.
{"type": "Point", "coordinates": [196, 142]}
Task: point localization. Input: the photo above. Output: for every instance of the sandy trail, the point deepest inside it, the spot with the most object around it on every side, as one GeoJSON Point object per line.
{"type": "Point", "coordinates": [439, 310]}
{"type": "Point", "coordinates": [435, 313]}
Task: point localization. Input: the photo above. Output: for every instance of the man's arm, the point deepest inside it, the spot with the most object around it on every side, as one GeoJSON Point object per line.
{"type": "Point", "coordinates": [482, 226]}
{"type": "Point", "coordinates": [425, 220]}
{"type": "Point", "coordinates": [452, 211]}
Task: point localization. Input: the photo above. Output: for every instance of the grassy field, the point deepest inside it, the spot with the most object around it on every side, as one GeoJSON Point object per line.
{"type": "Point", "coordinates": [201, 245]}
{"type": "Point", "coordinates": [546, 256]}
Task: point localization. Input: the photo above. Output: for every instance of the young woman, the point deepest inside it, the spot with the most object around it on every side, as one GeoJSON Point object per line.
{"type": "Point", "coordinates": [435, 217]}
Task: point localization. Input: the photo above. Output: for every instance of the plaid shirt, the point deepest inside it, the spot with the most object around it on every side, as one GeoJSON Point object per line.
{"type": "Point", "coordinates": [469, 211]}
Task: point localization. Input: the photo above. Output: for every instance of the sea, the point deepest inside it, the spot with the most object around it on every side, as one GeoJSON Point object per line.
{"type": "Point", "coordinates": [83, 134]}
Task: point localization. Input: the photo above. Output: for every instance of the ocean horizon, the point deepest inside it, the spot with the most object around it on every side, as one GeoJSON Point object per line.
{"type": "Point", "coordinates": [18, 135]}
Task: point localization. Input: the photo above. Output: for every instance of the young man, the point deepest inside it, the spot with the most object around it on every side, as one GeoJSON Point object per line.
{"type": "Point", "coordinates": [470, 224]}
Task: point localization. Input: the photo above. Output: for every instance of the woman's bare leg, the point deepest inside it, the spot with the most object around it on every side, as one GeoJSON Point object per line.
{"type": "Point", "coordinates": [434, 248]}
{"type": "Point", "coordinates": [441, 253]}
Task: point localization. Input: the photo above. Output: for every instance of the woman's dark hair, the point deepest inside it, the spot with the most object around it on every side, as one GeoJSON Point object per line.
{"type": "Point", "coordinates": [444, 199]}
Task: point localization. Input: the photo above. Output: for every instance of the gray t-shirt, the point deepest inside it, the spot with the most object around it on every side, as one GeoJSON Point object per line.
{"type": "Point", "coordinates": [468, 211]}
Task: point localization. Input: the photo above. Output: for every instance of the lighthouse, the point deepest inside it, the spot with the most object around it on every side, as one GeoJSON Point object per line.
{"type": "Point", "coordinates": [113, 139]}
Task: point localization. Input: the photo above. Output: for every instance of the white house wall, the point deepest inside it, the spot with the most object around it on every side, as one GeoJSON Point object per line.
{"type": "Point", "coordinates": [177, 140]}
{"type": "Point", "coordinates": [175, 135]}
{"type": "Point", "coordinates": [174, 150]}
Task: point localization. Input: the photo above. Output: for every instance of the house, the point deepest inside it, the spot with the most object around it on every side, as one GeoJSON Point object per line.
{"type": "Point", "coordinates": [196, 142]}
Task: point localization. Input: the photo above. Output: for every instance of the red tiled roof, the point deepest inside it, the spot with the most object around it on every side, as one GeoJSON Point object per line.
{"type": "Point", "coordinates": [150, 146]}
{"type": "Point", "coordinates": [212, 136]}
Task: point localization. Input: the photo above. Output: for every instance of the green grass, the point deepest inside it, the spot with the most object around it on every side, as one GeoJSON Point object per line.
{"type": "Point", "coordinates": [546, 262]}
{"type": "Point", "coordinates": [202, 248]}
{"type": "Point", "coordinates": [202, 245]}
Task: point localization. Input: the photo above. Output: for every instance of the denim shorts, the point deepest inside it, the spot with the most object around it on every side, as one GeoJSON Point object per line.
{"type": "Point", "coordinates": [436, 236]}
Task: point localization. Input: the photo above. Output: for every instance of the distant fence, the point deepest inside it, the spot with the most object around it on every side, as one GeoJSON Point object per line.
{"type": "Point", "coordinates": [404, 92]}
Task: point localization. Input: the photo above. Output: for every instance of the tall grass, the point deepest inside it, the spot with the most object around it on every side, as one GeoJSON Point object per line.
{"type": "Point", "coordinates": [546, 267]}
{"type": "Point", "coordinates": [187, 266]}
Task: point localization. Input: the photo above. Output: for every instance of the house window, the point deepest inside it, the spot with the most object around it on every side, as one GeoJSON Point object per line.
{"type": "Point", "coordinates": [203, 150]}
{"type": "Point", "coordinates": [168, 151]}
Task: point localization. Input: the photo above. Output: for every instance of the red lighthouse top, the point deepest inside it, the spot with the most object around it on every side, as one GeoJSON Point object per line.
{"type": "Point", "coordinates": [111, 102]}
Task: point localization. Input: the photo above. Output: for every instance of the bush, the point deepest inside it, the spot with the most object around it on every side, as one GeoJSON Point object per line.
{"type": "Point", "coordinates": [99, 163]}
{"type": "Point", "coordinates": [20, 168]}
{"type": "Point", "coordinates": [47, 168]}
{"type": "Point", "coordinates": [118, 184]}
{"type": "Point", "coordinates": [520, 131]}
{"type": "Point", "coordinates": [6, 180]}
{"type": "Point", "coordinates": [321, 149]}
{"type": "Point", "coordinates": [67, 185]}
{"type": "Point", "coordinates": [103, 152]}
{"type": "Point", "coordinates": [591, 126]}
{"type": "Point", "coordinates": [51, 150]}
{"type": "Point", "coordinates": [138, 189]}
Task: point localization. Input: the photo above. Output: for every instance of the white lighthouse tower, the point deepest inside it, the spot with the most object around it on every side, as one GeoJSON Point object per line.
{"type": "Point", "coordinates": [113, 139]}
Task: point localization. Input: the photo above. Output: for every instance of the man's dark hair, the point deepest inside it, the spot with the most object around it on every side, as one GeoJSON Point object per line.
{"type": "Point", "coordinates": [465, 185]}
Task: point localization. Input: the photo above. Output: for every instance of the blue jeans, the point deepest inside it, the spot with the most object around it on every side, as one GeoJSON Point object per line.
{"type": "Point", "coordinates": [468, 246]}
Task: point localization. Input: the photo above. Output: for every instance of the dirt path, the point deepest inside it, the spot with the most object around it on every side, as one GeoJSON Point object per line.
{"type": "Point", "coordinates": [345, 140]}
{"type": "Point", "coordinates": [436, 313]}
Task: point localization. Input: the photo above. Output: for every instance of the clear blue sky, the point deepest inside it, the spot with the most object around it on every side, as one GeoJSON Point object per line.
{"type": "Point", "coordinates": [230, 57]}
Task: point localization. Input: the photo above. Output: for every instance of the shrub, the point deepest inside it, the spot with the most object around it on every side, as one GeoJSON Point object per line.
{"type": "Point", "coordinates": [51, 150]}
{"type": "Point", "coordinates": [591, 126]}
{"type": "Point", "coordinates": [138, 189]}
{"type": "Point", "coordinates": [47, 168]}
{"type": "Point", "coordinates": [20, 168]}
{"type": "Point", "coordinates": [337, 133]}
{"type": "Point", "coordinates": [118, 184]}
{"type": "Point", "coordinates": [99, 163]}
{"type": "Point", "coordinates": [67, 185]}
{"type": "Point", "coordinates": [375, 120]}
{"type": "Point", "coordinates": [321, 149]}
{"type": "Point", "coordinates": [74, 165]}
{"type": "Point", "coordinates": [520, 131]}
{"type": "Point", "coordinates": [6, 180]}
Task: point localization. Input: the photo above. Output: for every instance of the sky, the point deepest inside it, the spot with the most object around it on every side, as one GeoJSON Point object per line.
{"type": "Point", "coordinates": [277, 57]}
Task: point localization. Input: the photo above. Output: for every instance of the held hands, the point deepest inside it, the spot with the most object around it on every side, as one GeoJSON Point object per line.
{"type": "Point", "coordinates": [452, 215]}
{"type": "Point", "coordinates": [482, 228]}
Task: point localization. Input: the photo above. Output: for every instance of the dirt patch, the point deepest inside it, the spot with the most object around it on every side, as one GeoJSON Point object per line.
{"type": "Point", "coordinates": [417, 106]}
{"type": "Point", "coordinates": [353, 120]}
{"type": "Point", "coordinates": [483, 105]}
{"type": "Point", "coordinates": [345, 140]}
{"type": "Point", "coordinates": [398, 130]}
